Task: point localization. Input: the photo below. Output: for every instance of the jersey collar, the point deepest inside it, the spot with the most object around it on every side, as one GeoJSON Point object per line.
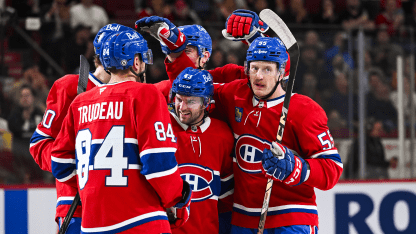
{"type": "Point", "coordinates": [269, 103]}
{"type": "Point", "coordinates": [94, 79]}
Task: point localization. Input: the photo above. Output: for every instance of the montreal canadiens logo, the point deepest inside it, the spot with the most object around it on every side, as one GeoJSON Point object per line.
{"type": "Point", "coordinates": [199, 178]}
{"type": "Point", "coordinates": [249, 152]}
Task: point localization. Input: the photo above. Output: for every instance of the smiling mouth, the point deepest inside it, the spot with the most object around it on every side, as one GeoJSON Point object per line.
{"type": "Point", "coordinates": [259, 85]}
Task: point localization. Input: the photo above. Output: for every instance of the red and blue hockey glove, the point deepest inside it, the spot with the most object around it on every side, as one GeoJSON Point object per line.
{"type": "Point", "coordinates": [279, 163]}
{"type": "Point", "coordinates": [179, 213]}
{"type": "Point", "coordinates": [164, 31]}
{"type": "Point", "coordinates": [245, 26]}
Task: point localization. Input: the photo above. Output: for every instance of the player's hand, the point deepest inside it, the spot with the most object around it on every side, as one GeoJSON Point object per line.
{"type": "Point", "coordinates": [279, 163]}
{"type": "Point", "coordinates": [164, 31]}
{"type": "Point", "coordinates": [244, 25]}
{"type": "Point", "coordinates": [179, 213]}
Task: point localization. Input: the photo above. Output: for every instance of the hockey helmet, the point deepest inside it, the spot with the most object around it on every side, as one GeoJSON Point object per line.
{"type": "Point", "coordinates": [267, 49]}
{"type": "Point", "coordinates": [104, 32]}
{"type": "Point", "coordinates": [194, 82]}
{"type": "Point", "coordinates": [119, 49]}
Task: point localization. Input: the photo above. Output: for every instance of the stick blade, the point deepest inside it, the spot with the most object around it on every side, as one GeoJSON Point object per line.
{"type": "Point", "coordinates": [84, 70]}
{"type": "Point", "coordinates": [278, 26]}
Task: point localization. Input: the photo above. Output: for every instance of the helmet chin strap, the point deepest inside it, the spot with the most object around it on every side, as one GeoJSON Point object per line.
{"type": "Point", "coordinates": [140, 75]}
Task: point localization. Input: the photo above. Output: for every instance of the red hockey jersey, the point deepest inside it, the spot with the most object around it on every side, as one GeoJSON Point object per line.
{"type": "Point", "coordinates": [62, 93]}
{"type": "Point", "coordinates": [205, 161]}
{"type": "Point", "coordinates": [255, 123]}
{"type": "Point", "coordinates": [118, 141]}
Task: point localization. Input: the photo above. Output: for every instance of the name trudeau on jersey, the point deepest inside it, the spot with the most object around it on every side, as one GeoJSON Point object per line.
{"type": "Point", "coordinates": [103, 110]}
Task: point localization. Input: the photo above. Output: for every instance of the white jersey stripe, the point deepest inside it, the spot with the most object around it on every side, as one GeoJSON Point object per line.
{"type": "Point", "coordinates": [124, 223]}
{"type": "Point", "coordinates": [158, 150]}
{"type": "Point", "coordinates": [161, 174]}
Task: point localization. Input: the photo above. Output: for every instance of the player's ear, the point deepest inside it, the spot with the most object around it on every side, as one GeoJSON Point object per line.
{"type": "Point", "coordinates": [138, 64]}
{"type": "Point", "coordinates": [204, 59]}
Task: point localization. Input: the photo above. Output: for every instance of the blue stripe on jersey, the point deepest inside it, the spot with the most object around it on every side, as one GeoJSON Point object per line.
{"type": "Point", "coordinates": [131, 225]}
{"type": "Point", "coordinates": [62, 170]}
{"type": "Point", "coordinates": [130, 150]}
{"type": "Point", "coordinates": [276, 212]}
{"type": "Point", "coordinates": [334, 157]}
{"type": "Point", "coordinates": [36, 137]}
{"type": "Point", "coordinates": [66, 202]}
{"type": "Point", "coordinates": [227, 186]}
{"type": "Point", "coordinates": [15, 211]}
{"type": "Point", "coordinates": [158, 162]}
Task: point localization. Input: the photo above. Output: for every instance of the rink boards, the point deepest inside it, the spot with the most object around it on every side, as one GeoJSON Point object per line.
{"type": "Point", "coordinates": [354, 207]}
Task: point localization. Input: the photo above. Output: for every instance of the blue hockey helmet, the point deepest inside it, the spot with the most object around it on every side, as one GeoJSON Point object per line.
{"type": "Point", "coordinates": [269, 49]}
{"type": "Point", "coordinates": [119, 49]}
{"type": "Point", "coordinates": [194, 82]}
{"type": "Point", "coordinates": [197, 36]}
{"type": "Point", "coordinates": [104, 32]}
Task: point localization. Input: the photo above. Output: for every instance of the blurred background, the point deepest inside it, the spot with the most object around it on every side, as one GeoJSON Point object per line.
{"type": "Point", "coordinates": [357, 61]}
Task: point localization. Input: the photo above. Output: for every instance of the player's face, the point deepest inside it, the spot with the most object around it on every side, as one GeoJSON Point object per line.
{"type": "Point", "coordinates": [190, 110]}
{"type": "Point", "coordinates": [192, 53]}
{"type": "Point", "coordinates": [263, 77]}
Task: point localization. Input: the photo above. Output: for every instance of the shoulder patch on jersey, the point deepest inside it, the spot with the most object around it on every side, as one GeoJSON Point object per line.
{"type": "Point", "coordinates": [238, 114]}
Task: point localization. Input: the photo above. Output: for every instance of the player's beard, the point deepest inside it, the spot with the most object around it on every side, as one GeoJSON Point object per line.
{"type": "Point", "coordinates": [192, 117]}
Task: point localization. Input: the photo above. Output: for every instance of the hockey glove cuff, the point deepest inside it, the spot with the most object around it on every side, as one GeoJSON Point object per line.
{"type": "Point", "coordinates": [164, 31]}
{"type": "Point", "coordinates": [279, 163]}
{"type": "Point", "coordinates": [179, 213]}
{"type": "Point", "coordinates": [245, 26]}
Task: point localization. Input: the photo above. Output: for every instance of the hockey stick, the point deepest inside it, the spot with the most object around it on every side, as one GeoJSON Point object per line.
{"type": "Point", "coordinates": [84, 69]}
{"type": "Point", "coordinates": [283, 32]}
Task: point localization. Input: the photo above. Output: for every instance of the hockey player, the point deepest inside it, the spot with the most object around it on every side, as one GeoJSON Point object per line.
{"type": "Point", "coordinates": [117, 143]}
{"type": "Point", "coordinates": [62, 93]}
{"type": "Point", "coordinates": [253, 110]}
{"type": "Point", "coordinates": [204, 151]}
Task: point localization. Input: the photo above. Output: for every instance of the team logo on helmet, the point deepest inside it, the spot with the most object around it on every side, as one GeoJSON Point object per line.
{"type": "Point", "coordinates": [238, 114]}
{"type": "Point", "coordinates": [249, 152]}
{"type": "Point", "coordinates": [199, 178]}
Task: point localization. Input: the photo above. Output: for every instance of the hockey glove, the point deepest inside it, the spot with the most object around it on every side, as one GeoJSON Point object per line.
{"type": "Point", "coordinates": [279, 163]}
{"type": "Point", "coordinates": [245, 26]}
{"type": "Point", "coordinates": [164, 31]}
{"type": "Point", "coordinates": [179, 213]}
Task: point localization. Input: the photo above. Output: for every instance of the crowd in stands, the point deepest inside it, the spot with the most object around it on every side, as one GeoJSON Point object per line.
{"type": "Point", "coordinates": [325, 29]}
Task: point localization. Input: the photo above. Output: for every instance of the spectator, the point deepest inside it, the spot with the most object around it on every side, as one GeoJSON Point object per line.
{"type": "Point", "coordinates": [88, 14]}
{"type": "Point", "coordinates": [327, 13]}
{"type": "Point", "coordinates": [392, 18]}
{"type": "Point", "coordinates": [296, 13]}
{"type": "Point", "coordinates": [55, 30]}
{"type": "Point", "coordinates": [22, 123]}
{"type": "Point", "coordinates": [337, 104]}
{"type": "Point", "coordinates": [355, 15]}
{"type": "Point", "coordinates": [312, 39]}
{"type": "Point", "coordinates": [80, 43]}
{"type": "Point", "coordinates": [308, 62]}
{"type": "Point", "coordinates": [376, 164]}
{"type": "Point", "coordinates": [385, 53]}
{"type": "Point", "coordinates": [37, 81]}
{"type": "Point", "coordinates": [310, 88]}
{"type": "Point", "coordinates": [185, 14]}
{"type": "Point", "coordinates": [379, 106]}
